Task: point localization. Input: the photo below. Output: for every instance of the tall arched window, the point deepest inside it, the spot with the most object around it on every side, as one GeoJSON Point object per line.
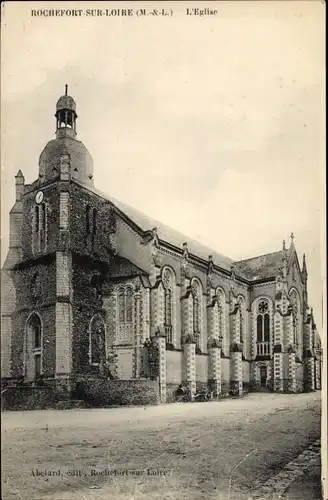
{"type": "Point", "coordinates": [97, 348]}
{"type": "Point", "coordinates": [121, 305]}
{"type": "Point", "coordinates": [196, 302]}
{"type": "Point", "coordinates": [35, 327]}
{"type": "Point", "coordinates": [196, 314]}
{"type": "Point", "coordinates": [94, 221]}
{"type": "Point", "coordinates": [259, 328]}
{"type": "Point", "coordinates": [263, 328]}
{"type": "Point", "coordinates": [167, 280]}
{"type": "Point", "coordinates": [33, 346]}
{"type": "Point", "coordinates": [129, 305]}
{"type": "Point", "coordinates": [125, 304]}
{"type": "Point", "coordinates": [241, 319]}
{"type": "Point", "coordinates": [87, 219]}
{"type": "Point", "coordinates": [221, 307]}
{"type": "Point", "coordinates": [37, 219]}
{"type": "Point", "coordinates": [126, 314]}
{"type": "Point", "coordinates": [43, 217]}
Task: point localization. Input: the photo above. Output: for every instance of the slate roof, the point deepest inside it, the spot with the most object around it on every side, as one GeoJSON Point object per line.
{"type": "Point", "coordinates": [122, 267]}
{"type": "Point", "coordinates": [264, 266]}
{"type": "Point", "coordinates": [165, 233]}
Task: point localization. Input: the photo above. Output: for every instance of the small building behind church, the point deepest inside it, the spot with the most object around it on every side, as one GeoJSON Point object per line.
{"type": "Point", "coordinates": [91, 287]}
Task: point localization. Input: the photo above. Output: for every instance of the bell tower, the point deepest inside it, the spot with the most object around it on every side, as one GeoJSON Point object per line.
{"type": "Point", "coordinates": [66, 116]}
{"type": "Point", "coordinates": [66, 143]}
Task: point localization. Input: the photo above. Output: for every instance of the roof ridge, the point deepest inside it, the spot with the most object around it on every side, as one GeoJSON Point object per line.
{"type": "Point", "coordinates": [258, 256]}
{"type": "Point", "coordinates": [121, 205]}
{"type": "Point", "coordinates": [176, 239]}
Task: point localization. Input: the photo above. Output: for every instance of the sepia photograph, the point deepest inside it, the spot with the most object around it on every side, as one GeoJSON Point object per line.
{"type": "Point", "coordinates": [163, 250]}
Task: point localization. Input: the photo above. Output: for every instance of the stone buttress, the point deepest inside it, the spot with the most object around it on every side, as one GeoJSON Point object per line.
{"type": "Point", "coordinates": [236, 348]}
{"type": "Point", "coordinates": [214, 341]}
{"type": "Point", "coordinates": [64, 280]}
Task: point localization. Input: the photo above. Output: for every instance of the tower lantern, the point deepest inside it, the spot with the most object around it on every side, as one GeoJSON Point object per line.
{"type": "Point", "coordinates": [66, 115]}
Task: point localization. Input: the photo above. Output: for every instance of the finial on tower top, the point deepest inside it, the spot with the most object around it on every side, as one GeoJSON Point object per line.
{"type": "Point", "coordinates": [66, 89]}
{"type": "Point", "coordinates": [292, 237]}
{"type": "Point", "coordinates": [283, 244]}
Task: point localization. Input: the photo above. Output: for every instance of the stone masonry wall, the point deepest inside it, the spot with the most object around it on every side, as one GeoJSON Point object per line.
{"type": "Point", "coordinates": [28, 303]}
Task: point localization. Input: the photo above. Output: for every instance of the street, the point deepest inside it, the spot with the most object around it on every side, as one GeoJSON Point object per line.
{"type": "Point", "coordinates": [222, 450]}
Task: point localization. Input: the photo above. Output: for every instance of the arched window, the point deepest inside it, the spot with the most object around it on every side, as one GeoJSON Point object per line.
{"type": "Point", "coordinates": [241, 319]}
{"type": "Point", "coordinates": [196, 314]}
{"type": "Point", "coordinates": [121, 305]}
{"type": "Point", "coordinates": [94, 221]}
{"type": "Point", "coordinates": [168, 310]}
{"type": "Point", "coordinates": [37, 219]}
{"type": "Point", "coordinates": [259, 328]}
{"type": "Point", "coordinates": [43, 216]}
{"type": "Point", "coordinates": [221, 306]}
{"type": "Point", "coordinates": [33, 347]}
{"type": "Point", "coordinates": [34, 329]}
{"type": "Point", "coordinates": [263, 322]}
{"type": "Point", "coordinates": [87, 219]}
{"type": "Point", "coordinates": [241, 324]}
{"type": "Point", "coordinates": [125, 304]}
{"type": "Point", "coordinates": [37, 332]}
{"type": "Point", "coordinates": [129, 305]}
{"type": "Point", "coordinates": [97, 348]}
{"type": "Point", "coordinates": [196, 302]}
{"type": "Point", "coordinates": [266, 328]}
{"type": "Point", "coordinates": [167, 280]}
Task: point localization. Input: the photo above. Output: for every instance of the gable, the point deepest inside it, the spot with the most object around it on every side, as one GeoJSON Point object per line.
{"type": "Point", "coordinates": [294, 274]}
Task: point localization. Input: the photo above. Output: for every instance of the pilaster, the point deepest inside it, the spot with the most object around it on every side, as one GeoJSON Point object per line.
{"type": "Point", "coordinates": [236, 354]}
{"type": "Point", "coordinates": [317, 367]}
{"type": "Point", "coordinates": [146, 314]}
{"type": "Point", "coordinates": [214, 352]}
{"type": "Point", "coordinates": [63, 315]}
{"type": "Point", "coordinates": [189, 355]}
{"type": "Point", "coordinates": [309, 373]}
{"type": "Point", "coordinates": [187, 315]}
{"type": "Point", "coordinates": [137, 334]}
{"type": "Point", "coordinates": [291, 381]}
{"type": "Point", "coordinates": [64, 278]}
{"type": "Point", "coordinates": [157, 299]}
{"type": "Point", "coordinates": [236, 377]}
{"type": "Point", "coordinates": [160, 340]}
{"type": "Point", "coordinates": [278, 385]}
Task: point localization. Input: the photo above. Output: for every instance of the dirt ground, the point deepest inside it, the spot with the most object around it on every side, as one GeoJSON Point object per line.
{"type": "Point", "coordinates": [218, 450]}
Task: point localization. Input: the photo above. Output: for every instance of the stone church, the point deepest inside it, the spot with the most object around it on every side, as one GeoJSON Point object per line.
{"type": "Point", "coordinates": [89, 279]}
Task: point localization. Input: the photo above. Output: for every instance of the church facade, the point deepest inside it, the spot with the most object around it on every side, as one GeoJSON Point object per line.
{"type": "Point", "coordinates": [89, 284]}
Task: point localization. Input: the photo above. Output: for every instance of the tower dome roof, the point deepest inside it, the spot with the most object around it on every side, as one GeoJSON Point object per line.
{"type": "Point", "coordinates": [80, 159]}
{"type": "Point", "coordinates": [66, 102]}
{"type": "Point", "coordinates": [81, 164]}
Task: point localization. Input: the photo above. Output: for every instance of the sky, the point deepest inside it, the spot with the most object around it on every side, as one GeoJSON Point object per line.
{"type": "Point", "coordinates": [212, 125]}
